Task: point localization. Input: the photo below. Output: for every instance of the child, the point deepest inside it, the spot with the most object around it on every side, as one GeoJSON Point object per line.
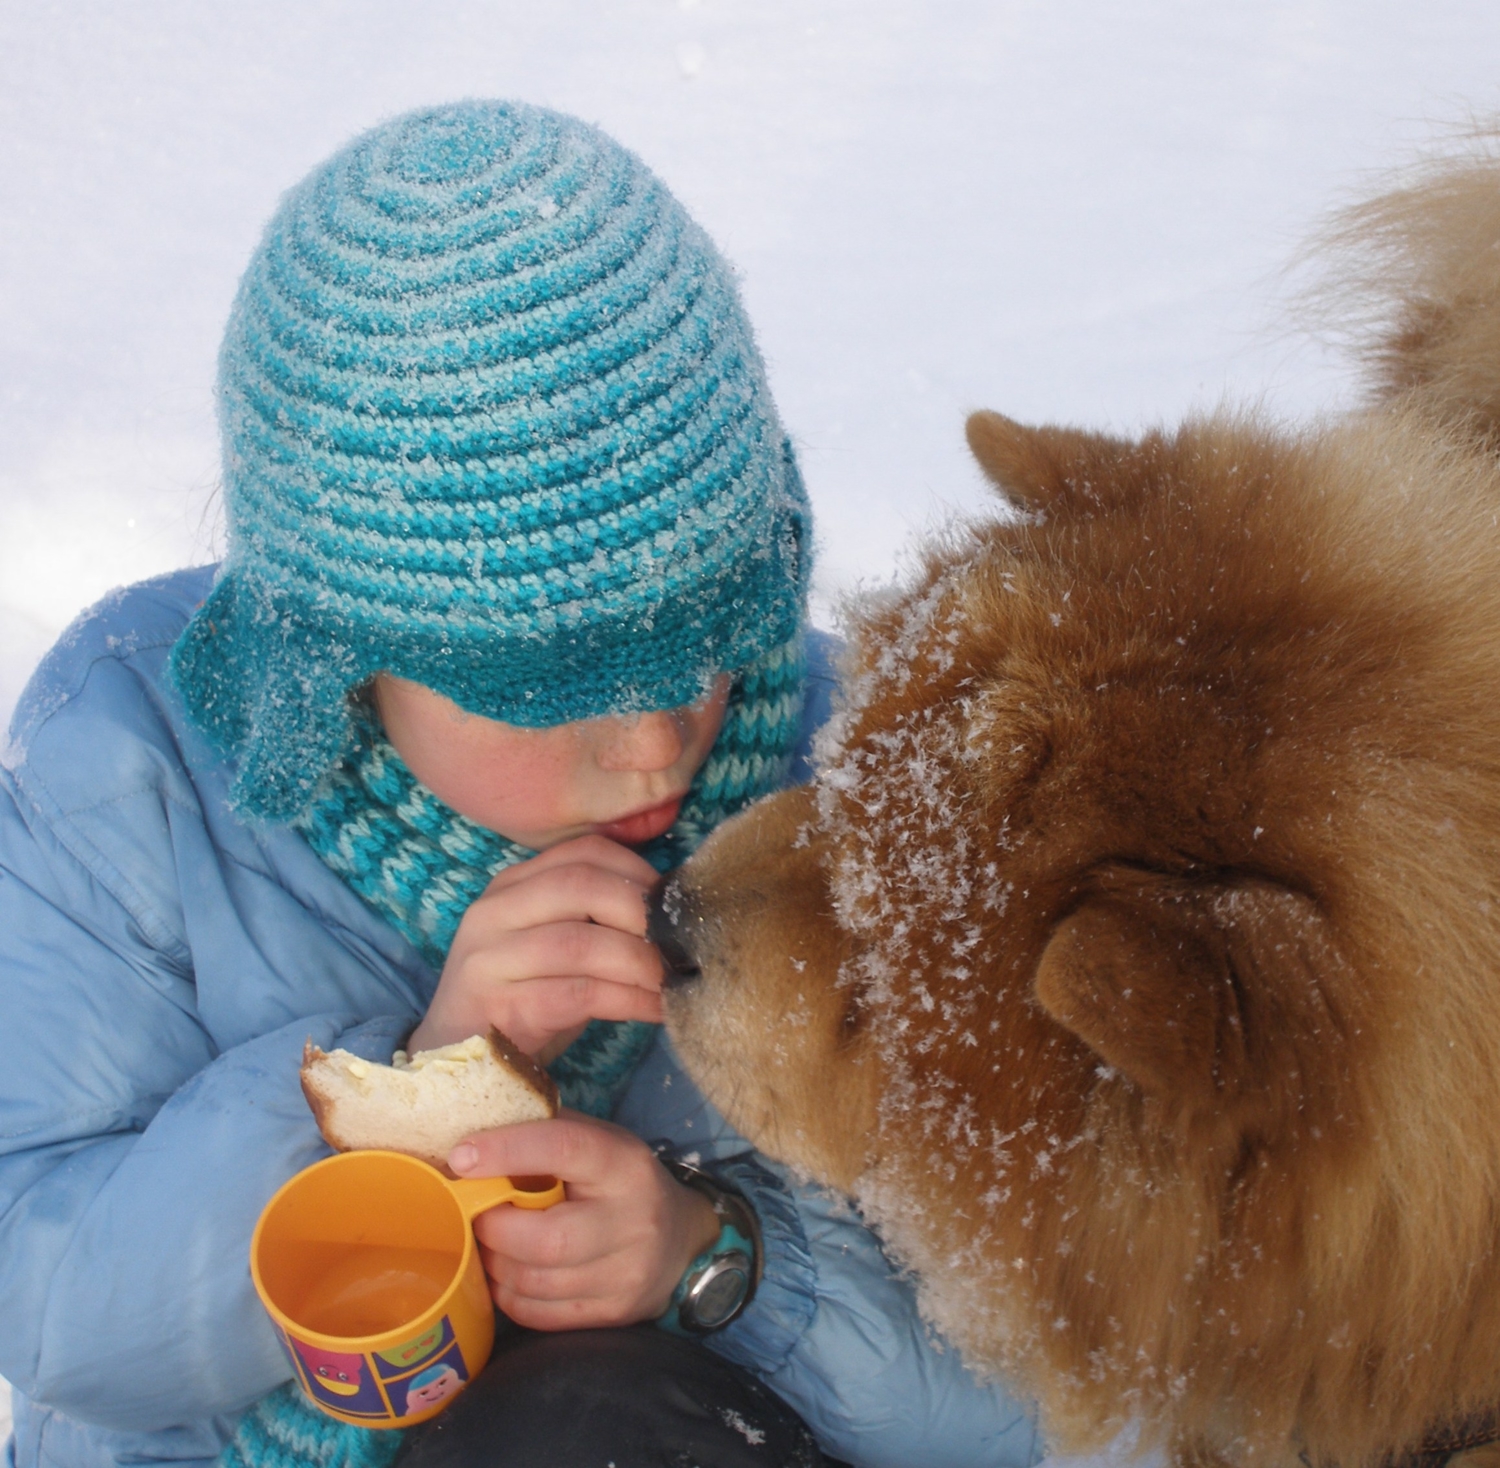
{"type": "Point", "coordinates": [517, 565]}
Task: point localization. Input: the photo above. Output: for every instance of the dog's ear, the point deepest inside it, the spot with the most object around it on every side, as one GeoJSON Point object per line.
{"type": "Point", "coordinates": [1024, 462]}
{"type": "Point", "coordinates": [1040, 466]}
{"type": "Point", "coordinates": [1199, 992]}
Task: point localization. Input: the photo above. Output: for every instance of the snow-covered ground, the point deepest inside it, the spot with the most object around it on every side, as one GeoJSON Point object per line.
{"type": "Point", "coordinates": [1073, 209]}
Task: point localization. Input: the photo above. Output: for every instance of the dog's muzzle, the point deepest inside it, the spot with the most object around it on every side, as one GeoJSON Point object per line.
{"type": "Point", "coordinates": [672, 924]}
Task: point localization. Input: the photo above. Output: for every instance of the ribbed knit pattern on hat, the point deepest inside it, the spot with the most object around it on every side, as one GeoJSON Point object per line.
{"type": "Point", "coordinates": [494, 421]}
{"type": "Point", "coordinates": [420, 864]}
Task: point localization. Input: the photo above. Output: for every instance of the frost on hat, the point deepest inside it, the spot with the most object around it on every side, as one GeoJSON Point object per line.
{"type": "Point", "coordinates": [494, 421]}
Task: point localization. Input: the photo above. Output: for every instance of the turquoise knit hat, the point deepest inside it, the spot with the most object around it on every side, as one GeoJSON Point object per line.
{"type": "Point", "coordinates": [493, 421]}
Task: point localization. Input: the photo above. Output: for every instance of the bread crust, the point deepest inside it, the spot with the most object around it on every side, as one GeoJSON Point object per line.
{"type": "Point", "coordinates": [524, 1066]}
{"type": "Point", "coordinates": [344, 1127]}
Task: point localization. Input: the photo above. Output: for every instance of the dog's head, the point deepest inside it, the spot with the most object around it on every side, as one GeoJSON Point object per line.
{"type": "Point", "coordinates": [1131, 959]}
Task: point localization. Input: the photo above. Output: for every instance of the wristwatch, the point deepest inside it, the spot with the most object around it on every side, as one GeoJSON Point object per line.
{"type": "Point", "coordinates": [721, 1281]}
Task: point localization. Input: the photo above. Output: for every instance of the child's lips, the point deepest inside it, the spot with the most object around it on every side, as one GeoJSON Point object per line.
{"type": "Point", "coordinates": [643, 825]}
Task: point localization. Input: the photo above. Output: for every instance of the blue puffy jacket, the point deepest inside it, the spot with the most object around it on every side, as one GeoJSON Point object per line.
{"type": "Point", "coordinates": [161, 965]}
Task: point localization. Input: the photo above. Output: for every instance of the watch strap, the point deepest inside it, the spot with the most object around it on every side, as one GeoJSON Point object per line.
{"type": "Point", "coordinates": [719, 1282]}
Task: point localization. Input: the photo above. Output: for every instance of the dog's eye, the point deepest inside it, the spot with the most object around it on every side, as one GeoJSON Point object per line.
{"type": "Point", "coordinates": [852, 1019]}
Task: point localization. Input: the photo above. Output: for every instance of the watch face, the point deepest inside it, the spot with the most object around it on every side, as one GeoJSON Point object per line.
{"type": "Point", "coordinates": [719, 1291]}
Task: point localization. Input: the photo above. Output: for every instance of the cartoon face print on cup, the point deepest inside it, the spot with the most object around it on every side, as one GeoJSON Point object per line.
{"type": "Point", "coordinates": [339, 1378]}
{"type": "Point", "coordinates": [431, 1387]}
{"type": "Point", "coordinates": [336, 1371]}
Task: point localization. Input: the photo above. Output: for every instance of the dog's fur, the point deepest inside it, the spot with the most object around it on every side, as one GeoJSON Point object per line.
{"type": "Point", "coordinates": [1134, 960]}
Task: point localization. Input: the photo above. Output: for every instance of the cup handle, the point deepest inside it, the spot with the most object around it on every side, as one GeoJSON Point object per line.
{"type": "Point", "coordinates": [477, 1194]}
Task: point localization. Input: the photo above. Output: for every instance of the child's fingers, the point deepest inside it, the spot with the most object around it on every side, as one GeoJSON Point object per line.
{"type": "Point", "coordinates": [539, 982]}
{"type": "Point", "coordinates": [596, 851]}
{"type": "Point", "coordinates": [608, 1255]}
{"type": "Point", "coordinates": [565, 950]}
{"type": "Point", "coordinates": [612, 1289]}
{"type": "Point", "coordinates": [591, 1281]}
{"type": "Point", "coordinates": [563, 1237]}
{"type": "Point", "coordinates": [534, 1013]}
{"type": "Point", "coordinates": [567, 891]}
{"type": "Point", "coordinates": [547, 1007]}
{"type": "Point", "coordinates": [593, 1286]}
{"type": "Point", "coordinates": [588, 1155]}
{"type": "Point", "coordinates": [573, 1314]}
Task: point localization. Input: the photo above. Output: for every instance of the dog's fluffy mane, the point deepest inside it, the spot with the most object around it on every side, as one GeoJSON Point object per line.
{"type": "Point", "coordinates": [1350, 740]}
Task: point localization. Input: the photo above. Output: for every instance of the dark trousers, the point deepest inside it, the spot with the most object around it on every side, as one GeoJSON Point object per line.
{"type": "Point", "coordinates": [633, 1398]}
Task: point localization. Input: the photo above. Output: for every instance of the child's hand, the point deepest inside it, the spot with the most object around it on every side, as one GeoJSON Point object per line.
{"type": "Point", "coordinates": [612, 1253]}
{"type": "Point", "coordinates": [549, 945]}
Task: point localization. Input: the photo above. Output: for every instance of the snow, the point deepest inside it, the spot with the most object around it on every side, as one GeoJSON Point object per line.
{"type": "Point", "coordinates": [1074, 211]}
{"type": "Point", "coordinates": [755, 1436]}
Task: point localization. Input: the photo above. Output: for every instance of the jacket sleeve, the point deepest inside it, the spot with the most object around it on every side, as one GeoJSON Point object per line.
{"type": "Point", "coordinates": [868, 1376]}
{"type": "Point", "coordinates": [834, 1329]}
{"type": "Point", "coordinates": [134, 1156]}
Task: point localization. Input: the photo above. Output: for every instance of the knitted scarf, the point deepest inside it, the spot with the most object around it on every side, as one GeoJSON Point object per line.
{"type": "Point", "coordinates": [419, 863]}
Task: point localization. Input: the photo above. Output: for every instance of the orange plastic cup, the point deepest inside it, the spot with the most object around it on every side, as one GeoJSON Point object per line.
{"type": "Point", "coordinates": [367, 1263]}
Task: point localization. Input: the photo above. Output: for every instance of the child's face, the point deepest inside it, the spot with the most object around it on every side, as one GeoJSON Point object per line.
{"type": "Point", "coordinates": [622, 776]}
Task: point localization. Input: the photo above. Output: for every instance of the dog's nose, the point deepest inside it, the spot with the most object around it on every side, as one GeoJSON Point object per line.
{"type": "Point", "coordinates": [667, 922]}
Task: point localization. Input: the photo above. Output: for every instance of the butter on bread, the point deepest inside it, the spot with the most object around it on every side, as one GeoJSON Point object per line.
{"type": "Point", "coordinates": [426, 1103]}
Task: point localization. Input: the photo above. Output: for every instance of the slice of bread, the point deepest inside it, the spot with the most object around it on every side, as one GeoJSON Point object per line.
{"type": "Point", "coordinates": [424, 1104]}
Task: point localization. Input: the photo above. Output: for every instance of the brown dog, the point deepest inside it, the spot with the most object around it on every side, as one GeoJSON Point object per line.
{"type": "Point", "coordinates": [1134, 960]}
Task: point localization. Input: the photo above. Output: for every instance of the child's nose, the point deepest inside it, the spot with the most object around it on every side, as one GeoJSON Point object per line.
{"type": "Point", "coordinates": [643, 742]}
